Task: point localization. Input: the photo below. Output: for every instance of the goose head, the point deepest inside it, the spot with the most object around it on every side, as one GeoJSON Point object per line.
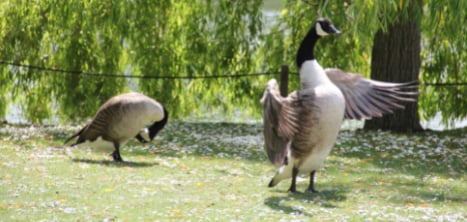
{"type": "Point", "coordinates": [147, 134]}
{"type": "Point", "coordinates": [324, 27]}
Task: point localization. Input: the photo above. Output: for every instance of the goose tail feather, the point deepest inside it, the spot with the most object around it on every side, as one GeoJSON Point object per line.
{"type": "Point", "coordinates": [74, 136]}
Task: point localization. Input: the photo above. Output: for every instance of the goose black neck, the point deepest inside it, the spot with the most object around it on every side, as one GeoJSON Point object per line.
{"type": "Point", "coordinates": [305, 51]}
{"type": "Point", "coordinates": [157, 126]}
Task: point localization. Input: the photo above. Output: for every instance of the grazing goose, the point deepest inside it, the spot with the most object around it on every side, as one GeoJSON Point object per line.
{"type": "Point", "coordinates": [121, 118]}
{"type": "Point", "coordinates": [301, 129]}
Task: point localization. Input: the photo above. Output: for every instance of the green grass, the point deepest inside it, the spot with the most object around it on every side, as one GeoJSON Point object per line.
{"type": "Point", "coordinates": [219, 172]}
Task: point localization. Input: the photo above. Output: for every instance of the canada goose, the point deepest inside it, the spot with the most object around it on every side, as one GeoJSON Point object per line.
{"type": "Point", "coordinates": [121, 118]}
{"type": "Point", "coordinates": [301, 129]}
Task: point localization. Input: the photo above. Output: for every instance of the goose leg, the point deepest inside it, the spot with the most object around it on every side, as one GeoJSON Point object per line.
{"type": "Point", "coordinates": [311, 187]}
{"type": "Point", "coordinates": [294, 180]}
{"type": "Point", "coordinates": [116, 154]}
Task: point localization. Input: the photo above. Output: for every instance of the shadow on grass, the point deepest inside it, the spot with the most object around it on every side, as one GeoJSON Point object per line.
{"type": "Point", "coordinates": [116, 164]}
{"type": "Point", "coordinates": [292, 203]}
{"type": "Point", "coordinates": [444, 197]}
{"type": "Point", "coordinates": [427, 193]}
{"type": "Point", "coordinates": [420, 173]}
{"type": "Point", "coordinates": [443, 156]}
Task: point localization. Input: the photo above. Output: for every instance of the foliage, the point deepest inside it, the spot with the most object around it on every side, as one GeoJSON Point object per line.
{"type": "Point", "coordinates": [445, 56]}
{"type": "Point", "coordinates": [205, 38]}
{"type": "Point", "coordinates": [219, 172]}
{"type": "Point", "coordinates": [444, 44]}
{"type": "Point", "coordinates": [150, 38]}
{"type": "Point", "coordinates": [195, 40]}
{"type": "Point", "coordinates": [69, 35]}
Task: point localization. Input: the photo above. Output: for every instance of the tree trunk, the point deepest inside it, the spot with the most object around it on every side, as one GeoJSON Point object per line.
{"type": "Point", "coordinates": [396, 58]}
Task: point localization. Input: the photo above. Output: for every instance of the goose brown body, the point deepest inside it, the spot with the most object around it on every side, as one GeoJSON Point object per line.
{"type": "Point", "coordinates": [123, 117]}
{"type": "Point", "coordinates": [301, 129]}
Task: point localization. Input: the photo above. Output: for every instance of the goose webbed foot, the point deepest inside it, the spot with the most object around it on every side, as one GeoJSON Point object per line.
{"type": "Point", "coordinates": [311, 187]}
{"type": "Point", "coordinates": [292, 190]}
{"type": "Point", "coordinates": [271, 183]}
{"type": "Point", "coordinates": [116, 154]}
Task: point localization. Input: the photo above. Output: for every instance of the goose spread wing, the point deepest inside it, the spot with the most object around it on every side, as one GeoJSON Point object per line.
{"type": "Point", "coordinates": [283, 119]}
{"type": "Point", "coordinates": [365, 98]}
{"type": "Point", "coordinates": [279, 126]}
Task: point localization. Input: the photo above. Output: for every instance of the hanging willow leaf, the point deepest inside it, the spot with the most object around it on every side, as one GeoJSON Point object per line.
{"type": "Point", "coordinates": [204, 38]}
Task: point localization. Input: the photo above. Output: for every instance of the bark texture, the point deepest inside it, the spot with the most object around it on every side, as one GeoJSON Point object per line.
{"type": "Point", "coordinates": [396, 58]}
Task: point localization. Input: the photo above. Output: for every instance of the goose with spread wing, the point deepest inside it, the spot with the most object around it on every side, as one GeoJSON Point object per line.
{"type": "Point", "coordinates": [301, 129]}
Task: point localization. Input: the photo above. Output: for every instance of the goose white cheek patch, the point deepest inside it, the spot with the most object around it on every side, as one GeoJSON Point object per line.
{"type": "Point", "coordinates": [320, 31]}
{"type": "Point", "coordinates": [145, 134]}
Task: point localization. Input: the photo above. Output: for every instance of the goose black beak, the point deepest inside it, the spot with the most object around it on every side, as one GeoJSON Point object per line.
{"type": "Point", "coordinates": [335, 31]}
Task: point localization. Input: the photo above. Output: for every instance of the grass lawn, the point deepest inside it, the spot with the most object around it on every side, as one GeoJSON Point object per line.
{"type": "Point", "coordinates": [219, 172]}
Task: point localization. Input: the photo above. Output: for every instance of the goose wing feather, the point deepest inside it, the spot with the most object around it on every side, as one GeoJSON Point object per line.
{"type": "Point", "coordinates": [366, 98]}
{"type": "Point", "coordinates": [282, 120]}
{"type": "Point", "coordinates": [111, 120]}
{"type": "Point", "coordinates": [101, 124]}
